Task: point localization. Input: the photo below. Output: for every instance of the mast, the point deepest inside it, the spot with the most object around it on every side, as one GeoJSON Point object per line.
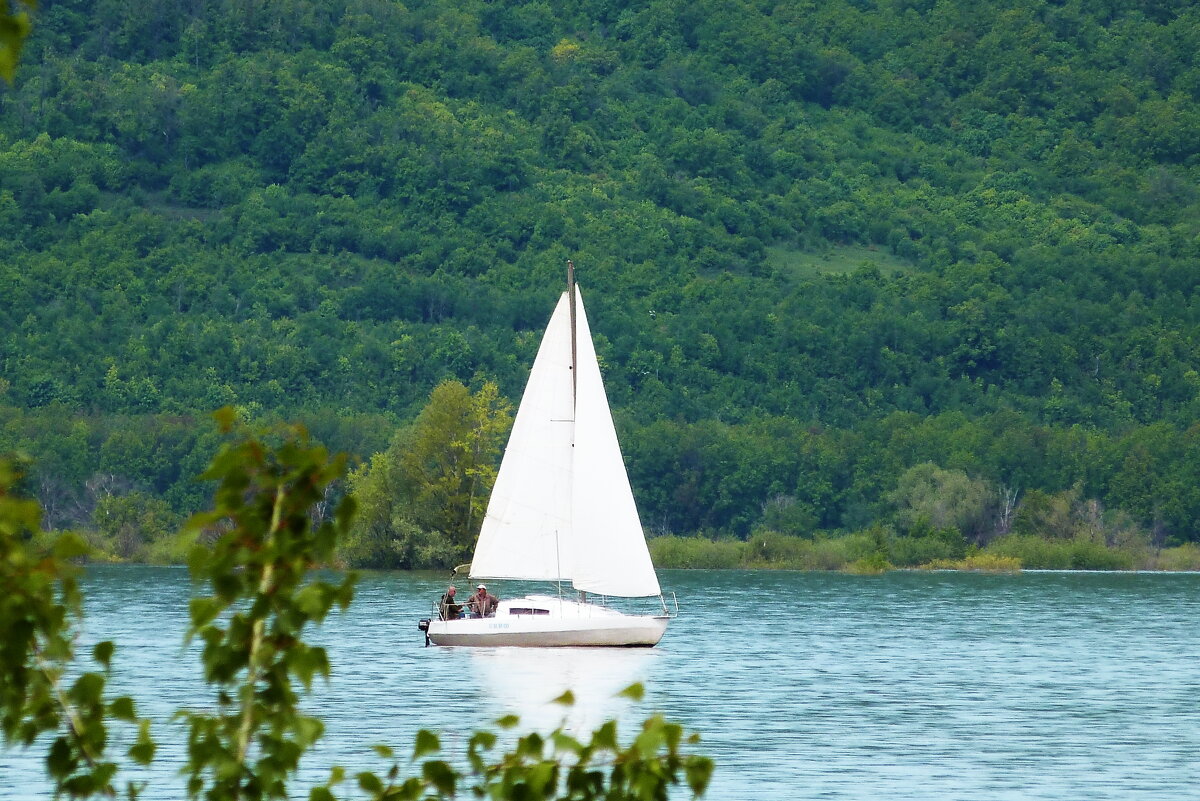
{"type": "Point", "coordinates": [574, 346]}
{"type": "Point", "coordinates": [574, 364]}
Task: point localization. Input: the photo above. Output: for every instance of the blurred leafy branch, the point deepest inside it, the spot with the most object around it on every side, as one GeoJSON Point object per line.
{"type": "Point", "coordinates": [40, 608]}
{"type": "Point", "coordinates": [554, 766]}
{"type": "Point", "coordinates": [14, 27]}
{"type": "Point", "coordinates": [258, 566]}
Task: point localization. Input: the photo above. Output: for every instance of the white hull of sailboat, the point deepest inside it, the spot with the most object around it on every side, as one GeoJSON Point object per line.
{"type": "Point", "coordinates": [542, 621]}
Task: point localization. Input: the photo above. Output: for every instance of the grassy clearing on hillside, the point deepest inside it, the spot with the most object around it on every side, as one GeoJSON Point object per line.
{"type": "Point", "coordinates": [837, 260]}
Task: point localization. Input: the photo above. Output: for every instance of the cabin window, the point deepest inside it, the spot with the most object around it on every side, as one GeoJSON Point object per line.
{"type": "Point", "coordinates": [526, 610]}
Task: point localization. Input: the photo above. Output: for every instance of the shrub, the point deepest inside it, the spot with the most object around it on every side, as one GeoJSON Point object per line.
{"type": "Point", "coordinates": [832, 553]}
{"type": "Point", "coordinates": [1086, 555]}
{"type": "Point", "coordinates": [171, 550]}
{"type": "Point", "coordinates": [871, 565]}
{"type": "Point", "coordinates": [772, 549]}
{"type": "Point", "coordinates": [1032, 551]}
{"type": "Point", "coordinates": [1076, 554]}
{"type": "Point", "coordinates": [978, 562]}
{"type": "Point", "coordinates": [1184, 557]}
{"type": "Point", "coordinates": [764, 550]}
{"type": "Point", "coordinates": [908, 551]}
{"type": "Point", "coordinates": [696, 552]}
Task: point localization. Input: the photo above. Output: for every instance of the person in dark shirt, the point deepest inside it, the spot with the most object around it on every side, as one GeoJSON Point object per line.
{"type": "Point", "coordinates": [447, 606]}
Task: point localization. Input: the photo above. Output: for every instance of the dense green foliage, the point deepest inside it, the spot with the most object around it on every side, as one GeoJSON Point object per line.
{"type": "Point", "coordinates": [422, 501]}
{"type": "Point", "coordinates": [258, 550]}
{"type": "Point", "coordinates": [821, 242]}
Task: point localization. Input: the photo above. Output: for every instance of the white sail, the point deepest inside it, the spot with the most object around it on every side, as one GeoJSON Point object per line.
{"type": "Point", "coordinates": [526, 533]}
{"type": "Point", "coordinates": [610, 553]}
{"type": "Point", "coordinates": [562, 508]}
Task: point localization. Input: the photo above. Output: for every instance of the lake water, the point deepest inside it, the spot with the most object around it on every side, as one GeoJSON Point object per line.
{"type": "Point", "coordinates": [802, 685]}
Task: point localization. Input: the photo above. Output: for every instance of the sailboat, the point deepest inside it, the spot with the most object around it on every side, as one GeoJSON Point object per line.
{"type": "Point", "coordinates": [562, 511]}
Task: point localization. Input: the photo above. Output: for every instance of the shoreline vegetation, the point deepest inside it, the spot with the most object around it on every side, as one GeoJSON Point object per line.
{"type": "Point", "coordinates": [877, 550]}
{"type": "Point", "coordinates": [422, 500]}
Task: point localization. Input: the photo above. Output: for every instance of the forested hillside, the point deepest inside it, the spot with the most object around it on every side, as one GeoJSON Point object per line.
{"type": "Point", "coordinates": [823, 245]}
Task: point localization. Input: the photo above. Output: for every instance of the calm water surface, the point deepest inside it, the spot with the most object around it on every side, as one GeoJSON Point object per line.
{"type": "Point", "coordinates": [803, 686]}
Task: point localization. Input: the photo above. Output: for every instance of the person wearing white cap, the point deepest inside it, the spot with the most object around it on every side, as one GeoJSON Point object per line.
{"type": "Point", "coordinates": [483, 603]}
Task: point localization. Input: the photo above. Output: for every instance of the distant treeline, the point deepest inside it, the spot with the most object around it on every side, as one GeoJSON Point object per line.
{"type": "Point", "coordinates": [824, 246]}
{"type": "Point", "coordinates": [422, 496]}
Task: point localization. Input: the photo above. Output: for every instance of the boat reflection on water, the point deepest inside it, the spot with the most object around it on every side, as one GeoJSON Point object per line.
{"type": "Point", "coordinates": [525, 682]}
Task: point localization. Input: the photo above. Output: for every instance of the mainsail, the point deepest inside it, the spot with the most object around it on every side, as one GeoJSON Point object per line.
{"type": "Point", "coordinates": [562, 508]}
{"type": "Point", "coordinates": [526, 532]}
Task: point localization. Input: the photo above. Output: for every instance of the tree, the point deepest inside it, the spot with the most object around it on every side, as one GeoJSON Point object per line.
{"type": "Point", "coordinates": [129, 522]}
{"type": "Point", "coordinates": [1050, 516]}
{"type": "Point", "coordinates": [423, 499]}
{"type": "Point", "coordinates": [942, 499]}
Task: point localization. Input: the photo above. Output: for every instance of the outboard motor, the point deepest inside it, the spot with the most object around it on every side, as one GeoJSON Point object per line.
{"type": "Point", "coordinates": [423, 625]}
